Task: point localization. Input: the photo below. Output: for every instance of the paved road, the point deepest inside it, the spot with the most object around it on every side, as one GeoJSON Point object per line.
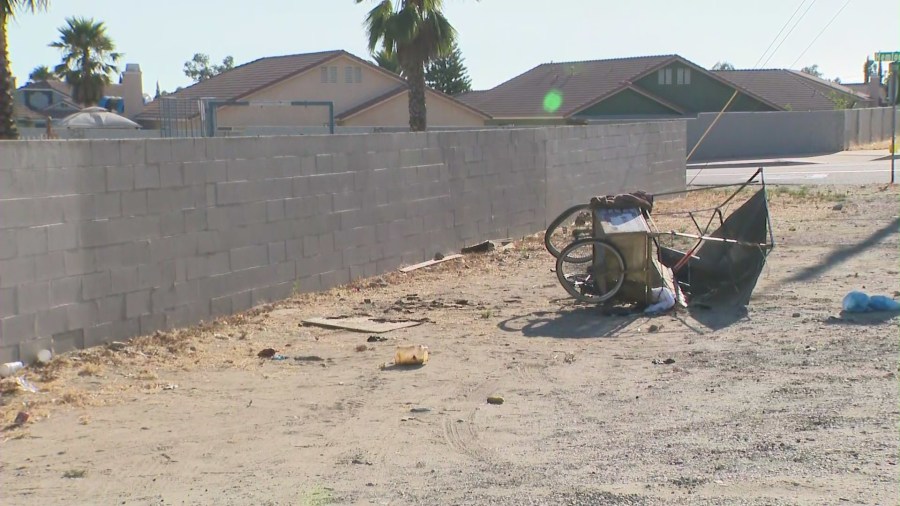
{"type": "Point", "coordinates": [848, 167]}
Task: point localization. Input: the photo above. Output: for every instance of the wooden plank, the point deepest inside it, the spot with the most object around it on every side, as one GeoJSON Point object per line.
{"type": "Point", "coordinates": [361, 324]}
{"type": "Point", "coordinates": [429, 263]}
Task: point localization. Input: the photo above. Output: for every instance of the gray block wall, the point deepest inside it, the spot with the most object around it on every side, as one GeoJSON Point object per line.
{"type": "Point", "coordinates": [108, 239]}
{"type": "Point", "coordinates": [763, 134]}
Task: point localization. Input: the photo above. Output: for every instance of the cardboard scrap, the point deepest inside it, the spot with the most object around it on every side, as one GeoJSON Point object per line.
{"type": "Point", "coordinates": [428, 263]}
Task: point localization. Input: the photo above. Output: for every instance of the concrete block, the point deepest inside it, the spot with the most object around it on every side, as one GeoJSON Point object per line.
{"type": "Point", "coordinates": [111, 309]}
{"type": "Point", "coordinates": [324, 163]}
{"type": "Point", "coordinates": [134, 203]}
{"type": "Point", "coordinates": [8, 302]}
{"type": "Point", "coordinates": [249, 256]}
{"type": "Point", "coordinates": [335, 278]}
{"type": "Point", "coordinates": [81, 315]}
{"type": "Point", "coordinates": [275, 210]}
{"type": "Point", "coordinates": [17, 271]}
{"type": "Point", "coordinates": [107, 205]}
{"type": "Point", "coordinates": [17, 328]}
{"type": "Point", "coordinates": [51, 321]}
{"type": "Point", "coordinates": [156, 275]}
{"type": "Point", "coordinates": [221, 306]}
{"type": "Point", "coordinates": [96, 285]}
{"type": "Point", "coordinates": [65, 342]}
{"type": "Point", "coordinates": [123, 279]}
{"type": "Point", "coordinates": [80, 261]}
{"type": "Point", "coordinates": [132, 152]}
{"type": "Point", "coordinates": [104, 152]}
{"type": "Point", "coordinates": [171, 174]}
{"type": "Point", "coordinates": [137, 303]}
{"type": "Point", "coordinates": [277, 252]}
{"type": "Point", "coordinates": [19, 212]}
{"type": "Point", "coordinates": [33, 297]}
{"type": "Point", "coordinates": [8, 248]}
{"type": "Point", "coordinates": [146, 176]}
{"type": "Point", "coordinates": [242, 301]}
{"type": "Point", "coordinates": [60, 236]}
{"type": "Point", "coordinates": [119, 178]}
{"type": "Point", "coordinates": [171, 224]}
{"type": "Point", "coordinates": [159, 150]}
{"type": "Point", "coordinates": [31, 241]}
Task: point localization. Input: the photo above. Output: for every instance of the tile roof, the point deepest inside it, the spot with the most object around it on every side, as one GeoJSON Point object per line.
{"type": "Point", "coordinates": [246, 79]}
{"type": "Point", "coordinates": [396, 91]}
{"type": "Point", "coordinates": [790, 89]}
{"type": "Point", "coordinates": [50, 84]}
{"type": "Point", "coordinates": [580, 83]}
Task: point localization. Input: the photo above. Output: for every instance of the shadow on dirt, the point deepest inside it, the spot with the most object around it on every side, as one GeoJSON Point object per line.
{"type": "Point", "coordinates": [576, 322]}
{"type": "Point", "coordinates": [844, 253]}
{"type": "Point", "coordinates": [717, 318]}
{"type": "Point", "coordinates": [873, 318]}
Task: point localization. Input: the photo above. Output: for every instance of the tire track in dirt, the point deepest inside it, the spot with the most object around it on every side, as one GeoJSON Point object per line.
{"type": "Point", "coordinates": [463, 436]}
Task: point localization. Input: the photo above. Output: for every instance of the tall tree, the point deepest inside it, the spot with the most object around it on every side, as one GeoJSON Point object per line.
{"type": "Point", "coordinates": [199, 69]}
{"type": "Point", "coordinates": [812, 70]}
{"type": "Point", "coordinates": [89, 58]}
{"type": "Point", "coordinates": [417, 32]}
{"type": "Point", "coordinates": [8, 9]}
{"type": "Point", "coordinates": [722, 65]}
{"type": "Point", "coordinates": [387, 62]}
{"type": "Point", "coordinates": [449, 74]}
{"type": "Point", "coordinates": [870, 70]}
{"type": "Point", "coordinates": [41, 73]}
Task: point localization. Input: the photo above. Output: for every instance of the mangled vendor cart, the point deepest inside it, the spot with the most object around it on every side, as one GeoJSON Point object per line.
{"type": "Point", "coordinates": [611, 250]}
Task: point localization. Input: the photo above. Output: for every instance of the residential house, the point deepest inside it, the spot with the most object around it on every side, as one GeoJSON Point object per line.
{"type": "Point", "coordinates": [873, 91]}
{"type": "Point", "coordinates": [36, 101]}
{"type": "Point", "coordinates": [362, 94]}
{"type": "Point", "coordinates": [646, 87]}
{"type": "Point", "coordinates": [793, 90]}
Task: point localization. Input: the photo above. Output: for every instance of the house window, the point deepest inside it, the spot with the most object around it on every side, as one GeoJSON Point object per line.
{"type": "Point", "coordinates": [664, 76]}
{"type": "Point", "coordinates": [357, 74]}
{"type": "Point", "coordinates": [324, 74]}
{"type": "Point", "coordinates": [332, 74]}
{"type": "Point", "coordinates": [348, 74]}
{"type": "Point", "coordinates": [683, 76]}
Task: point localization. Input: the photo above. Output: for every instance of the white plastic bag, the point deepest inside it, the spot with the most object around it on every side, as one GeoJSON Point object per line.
{"type": "Point", "coordinates": [663, 299]}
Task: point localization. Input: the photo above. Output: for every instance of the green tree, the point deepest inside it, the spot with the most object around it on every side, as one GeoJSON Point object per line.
{"type": "Point", "coordinates": [387, 61]}
{"type": "Point", "coordinates": [89, 58]}
{"type": "Point", "coordinates": [812, 70]}
{"type": "Point", "coordinates": [417, 32]}
{"type": "Point", "coordinates": [842, 101]}
{"type": "Point", "coordinates": [41, 73]}
{"type": "Point", "coordinates": [199, 69]}
{"type": "Point", "coordinates": [449, 74]}
{"type": "Point", "coordinates": [722, 65]}
{"type": "Point", "coordinates": [8, 10]}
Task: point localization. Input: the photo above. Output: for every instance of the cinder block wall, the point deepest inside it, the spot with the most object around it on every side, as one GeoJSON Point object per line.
{"type": "Point", "coordinates": [759, 134]}
{"type": "Point", "coordinates": [106, 240]}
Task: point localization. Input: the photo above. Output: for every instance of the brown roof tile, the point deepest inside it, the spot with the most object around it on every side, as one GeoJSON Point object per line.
{"type": "Point", "coordinates": [790, 89]}
{"type": "Point", "coordinates": [246, 79]}
{"type": "Point", "coordinates": [580, 83]}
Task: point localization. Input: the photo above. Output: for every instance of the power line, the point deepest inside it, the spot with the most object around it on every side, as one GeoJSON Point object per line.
{"type": "Point", "coordinates": [789, 32]}
{"type": "Point", "coordinates": [821, 32]}
{"type": "Point", "coordinates": [763, 55]}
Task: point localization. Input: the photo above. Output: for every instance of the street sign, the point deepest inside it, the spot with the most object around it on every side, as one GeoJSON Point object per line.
{"type": "Point", "coordinates": [892, 56]}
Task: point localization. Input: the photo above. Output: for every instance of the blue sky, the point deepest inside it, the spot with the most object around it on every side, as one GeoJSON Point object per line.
{"type": "Point", "coordinates": [499, 38]}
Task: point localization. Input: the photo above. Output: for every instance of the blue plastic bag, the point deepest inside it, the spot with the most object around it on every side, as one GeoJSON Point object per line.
{"type": "Point", "coordinates": [856, 302]}
{"type": "Point", "coordinates": [882, 303]}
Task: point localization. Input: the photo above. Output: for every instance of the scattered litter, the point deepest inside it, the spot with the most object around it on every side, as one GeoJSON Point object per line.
{"type": "Point", "coordinates": [859, 302]}
{"type": "Point", "coordinates": [420, 410]}
{"type": "Point", "coordinates": [438, 256]}
{"type": "Point", "coordinates": [663, 299]}
{"type": "Point", "coordinates": [837, 207]}
{"type": "Point", "coordinates": [362, 324]}
{"type": "Point", "coordinates": [44, 356]}
{"type": "Point", "coordinates": [795, 315]}
{"type": "Point", "coordinates": [570, 358]}
{"type": "Point", "coordinates": [10, 368]}
{"type": "Point", "coordinates": [117, 346]}
{"type": "Point", "coordinates": [370, 484]}
{"type": "Point", "coordinates": [361, 347]}
{"type": "Point", "coordinates": [411, 355]}
{"type": "Point", "coordinates": [266, 353]}
{"type": "Point", "coordinates": [667, 361]}
{"type": "Point", "coordinates": [170, 386]}
{"type": "Point", "coordinates": [359, 461]}
{"type": "Point", "coordinates": [407, 418]}
{"type": "Point", "coordinates": [495, 399]}
{"type": "Point", "coordinates": [429, 263]}
{"type": "Point", "coordinates": [376, 339]}
{"type": "Point", "coordinates": [279, 356]}
{"type": "Point", "coordinates": [653, 328]}
{"type": "Point", "coordinates": [308, 358]}
{"type": "Point", "coordinates": [412, 303]}
{"type": "Point", "coordinates": [21, 418]}
{"type": "Point", "coordinates": [26, 385]}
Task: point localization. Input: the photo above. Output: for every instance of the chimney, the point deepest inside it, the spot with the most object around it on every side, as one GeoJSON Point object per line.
{"type": "Point", "coordinates": [133, 90]}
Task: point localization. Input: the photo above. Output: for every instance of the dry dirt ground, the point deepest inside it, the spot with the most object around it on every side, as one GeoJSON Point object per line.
{"type": "Point", "coordinates": [791, 403]}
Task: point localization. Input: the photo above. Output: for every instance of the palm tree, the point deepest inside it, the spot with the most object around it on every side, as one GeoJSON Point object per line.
{"type": "Point", "coordinates": [8, 9]}
{"type": "Point", "coordinates": [417, 32]}
{"type": "Point", "coordinates": [386, 62]}
{"type": "Point", "coordinates": [41, 73]}
{"type": "Point", "coordinates": [88, 58]}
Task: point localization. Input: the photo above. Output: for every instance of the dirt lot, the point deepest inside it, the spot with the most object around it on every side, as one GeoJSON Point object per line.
{"type": "Point", "coordinates": [792, 403]}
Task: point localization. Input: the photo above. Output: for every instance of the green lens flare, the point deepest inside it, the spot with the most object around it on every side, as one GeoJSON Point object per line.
{"type": "Point", "coordinates": [553, 101]}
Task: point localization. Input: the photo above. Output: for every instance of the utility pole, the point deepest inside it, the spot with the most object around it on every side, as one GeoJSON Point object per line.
{"type": "Point", "coordinates": [892, 96]}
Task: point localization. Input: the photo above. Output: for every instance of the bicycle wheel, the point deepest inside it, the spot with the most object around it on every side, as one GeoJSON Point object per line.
{"type": "Point", "coordinates": [574, 223]}
{"type": "Point", "coordinates": [596, 281]}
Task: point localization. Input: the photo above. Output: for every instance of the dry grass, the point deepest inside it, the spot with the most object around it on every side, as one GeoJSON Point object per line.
{"type": "Point", "coordinates": [886, 144]}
